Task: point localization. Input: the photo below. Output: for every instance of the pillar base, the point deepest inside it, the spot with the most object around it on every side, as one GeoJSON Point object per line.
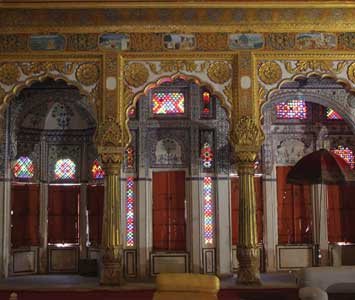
{"type": "Point", "coordinates": [248, 271]}
{"type": "Point", "coordinates": [111, 267]}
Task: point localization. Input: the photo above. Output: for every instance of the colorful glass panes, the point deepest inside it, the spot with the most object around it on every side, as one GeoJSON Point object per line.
{"type": "Point", "coordinates": [23, 167]}
{"type": "Point", "coordinates": [346, 154]}
{"type": "Point", "coordinates": [292, 109]}
{"type": "Point", "coordinates": [168, 103]}
{"type": "Point", "coordinates": [332, 114]}
{"type": "Point", "coordinates": [64, 169]}
{"type": "Point", "coordinates": [132, 112]}
{"type": "Point", "coordinates": [130, 157]}
{"type": "Point", "coordinates": [97, 170]}
{"type": "Point", "coordinates": [207, 156]}
{"type": "Point", "coordinates": [206, 104]}
{"type": "Point", "coordinates": [208, 210]}
{"type": "Point", "coordinates": [130, 211]}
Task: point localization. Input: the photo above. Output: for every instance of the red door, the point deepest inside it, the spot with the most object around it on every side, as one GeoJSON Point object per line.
{"type": "Point", "coordinates": [169, 211]}
{"type": "Point", "coordinates": [63, 214]}
{"type": "Point", "coordinates": [25, 215]}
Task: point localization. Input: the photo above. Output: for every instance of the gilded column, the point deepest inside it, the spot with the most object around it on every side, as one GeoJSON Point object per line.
{"type": "Point", "coordinates": [108, 140]}
{"type": "Point", "coordinates": [245, 136]}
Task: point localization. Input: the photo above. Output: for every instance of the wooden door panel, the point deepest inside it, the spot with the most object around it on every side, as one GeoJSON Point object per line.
{"type": "Point", "coordinates": [169, 230]}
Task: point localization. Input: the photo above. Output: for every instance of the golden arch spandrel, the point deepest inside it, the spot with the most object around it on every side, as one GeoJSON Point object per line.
{"type": "Point", "coordinates": [138, 73]}
{"type": "Point", "coordinates": [336, 65]}
{"type": "Point", "coordinates": [85, 73]}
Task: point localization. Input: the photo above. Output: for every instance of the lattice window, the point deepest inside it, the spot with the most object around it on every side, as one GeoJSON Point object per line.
{"type": "Point", "coordinates": [168, 103]}
{"type": "Point", "coordinates": [64, 169]}
{"type": "Point", "coordinates": [23, 167]}
{"type": "Point", "coordinates": [346, 154]}
{"type": "Point", "coordinates": [130, 211]}
{"type": "Point", "coordinates": [292, 109]}
{"type": "Point", "coordinates": [97, 170]}
{"type": "Point", "coordinates": [208, 210]}
{"type": "Point", "coordinates": [332, 114]}
{"type": "Point", "coordinates": [207, 156]}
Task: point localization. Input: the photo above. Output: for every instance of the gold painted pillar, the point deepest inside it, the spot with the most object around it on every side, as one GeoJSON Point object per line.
{"type": "Point", "coordinates": [108, 140]}
{"type": "Point", "coordinates": [246, 139]}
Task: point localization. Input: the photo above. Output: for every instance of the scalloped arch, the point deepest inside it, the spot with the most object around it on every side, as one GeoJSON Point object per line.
{"type": "Point", "coordinates": [135, 98]}
{"type": "Point", "coordinates": [273, 97]}
{"type": "Point", "coordinates": [31, 80]}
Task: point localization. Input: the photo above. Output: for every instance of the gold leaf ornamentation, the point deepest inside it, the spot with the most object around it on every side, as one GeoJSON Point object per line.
{"type": "Point", "coordinates": [177, 66]}
{"type": "Point", "coordinates": [314, 65]}
{"type": "Point", "coordinates": [245, 133]}
{"type": "Point", "coordinates": [87, 74]}
{"type": "Point", "coordinates": [9, 74]}
{"type": "Point", "coordinates": [82, 42]}
{"type": "Point", "coordinates": [109, 133]}
{"type": "Point", "coordinates": [228, 92]}
{"type": "Point", "coordinates": [212, 41]}
{"type": "Point", "coordinates": [136, 74]}
{"type": "Point", "coordinates": [219, 72]}
{"type": "Point", "coordinates": [270, 72]}
{"type": "Point", "coordinates": [127, 96]}
{"type": "Point", "coordinates": [281, 41]}
{"type": "Point", "coordinates": [33, 68]}
{"type": "Point", "coordinates": [351, 72]}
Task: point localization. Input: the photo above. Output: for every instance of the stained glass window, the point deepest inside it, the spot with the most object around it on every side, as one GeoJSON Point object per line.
{"type": "Point", "coordinates": [130, 157]}
{"type": "Point", "coordinates": [207, 156]}
{"type": "Point", "coordinates": [206, 110]}
{"type": "Point", "coordinates": [168, 103]}
{"type": "Point", "coordinates": [130, 211]}
{"type": "Point", "coordinates": [132, 113]}
{"type": "Point", "coordinates": [332, 114]}
{"type": "Point", "coordinates": [64, 169]}
{"type": "Point", "coordinates": [208, 210]}
{"type": "Point", "coordinates": [23, 167]}
{"type": "Point", "coordinates": [346, 154]}
{"type": "Point", "coordinates": [292, 109]}
{"type": "Point", "coordinates": [97, 170]}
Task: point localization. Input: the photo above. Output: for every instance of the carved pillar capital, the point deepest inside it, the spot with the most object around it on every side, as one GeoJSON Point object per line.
{"type": "Point", "coordinates": [109, 144]}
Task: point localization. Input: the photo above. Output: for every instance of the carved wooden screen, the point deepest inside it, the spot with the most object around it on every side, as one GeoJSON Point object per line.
{"type": "Point", "coordinates": [235, 207]}
{"type": "Point", "coordinates": [95, 206]}
{"type": "Point", "coordinates": [63, 214]}
{"type": "Point", "coordinates": [341, 214]}
{"type": "Point", "coordinates": [294, 210]}
{"type": "Point", "coordinates": [169, 211]}
{"type": "Point", "coordinates": [25, 215]}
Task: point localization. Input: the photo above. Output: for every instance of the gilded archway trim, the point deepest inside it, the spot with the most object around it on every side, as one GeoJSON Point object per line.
{"type": "Point", "coordinates": [132, 99]}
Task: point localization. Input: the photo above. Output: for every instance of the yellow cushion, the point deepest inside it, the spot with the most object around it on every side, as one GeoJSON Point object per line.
{"type": "Point", "coordinates": [188, 282]}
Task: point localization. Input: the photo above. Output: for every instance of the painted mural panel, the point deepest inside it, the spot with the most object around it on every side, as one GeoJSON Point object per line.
{"type": "Point", "coordinates": [315, 41]}
{"type": "Point", "coordinates": [245, 41]}
{"type": "Point", "coordinates": [47, 42]}
{"type": "Point", "coordinates": [179, 41]}
{"type": "Point", "coordinates": [114, 41]}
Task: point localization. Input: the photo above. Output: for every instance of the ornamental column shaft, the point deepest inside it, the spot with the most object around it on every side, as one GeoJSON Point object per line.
{"type": "Point", "coordinates": [109, 144]}
{"type": "Point", "coordinates": [111, 230]}
{"type": "Point", "coordinates": [247, 248]}
{"type": "Point", "coordinates": [246, 139]}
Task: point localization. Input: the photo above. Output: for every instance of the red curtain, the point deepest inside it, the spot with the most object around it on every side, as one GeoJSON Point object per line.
{"type": "Point", "coordinates": [341, 214]}
{"type": "Point", "coordinates": [169, 211]}
{"type": "Point", "coordinates": [63, 214]}
{"type": "Point", "coordinates": [235, 207]}
{"type": "Point", "coordinates": [25, 215]}
{"type": "Point", "coordinates": [95, 206]}
{"type": "Point", "coordinates": [294, 208]}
